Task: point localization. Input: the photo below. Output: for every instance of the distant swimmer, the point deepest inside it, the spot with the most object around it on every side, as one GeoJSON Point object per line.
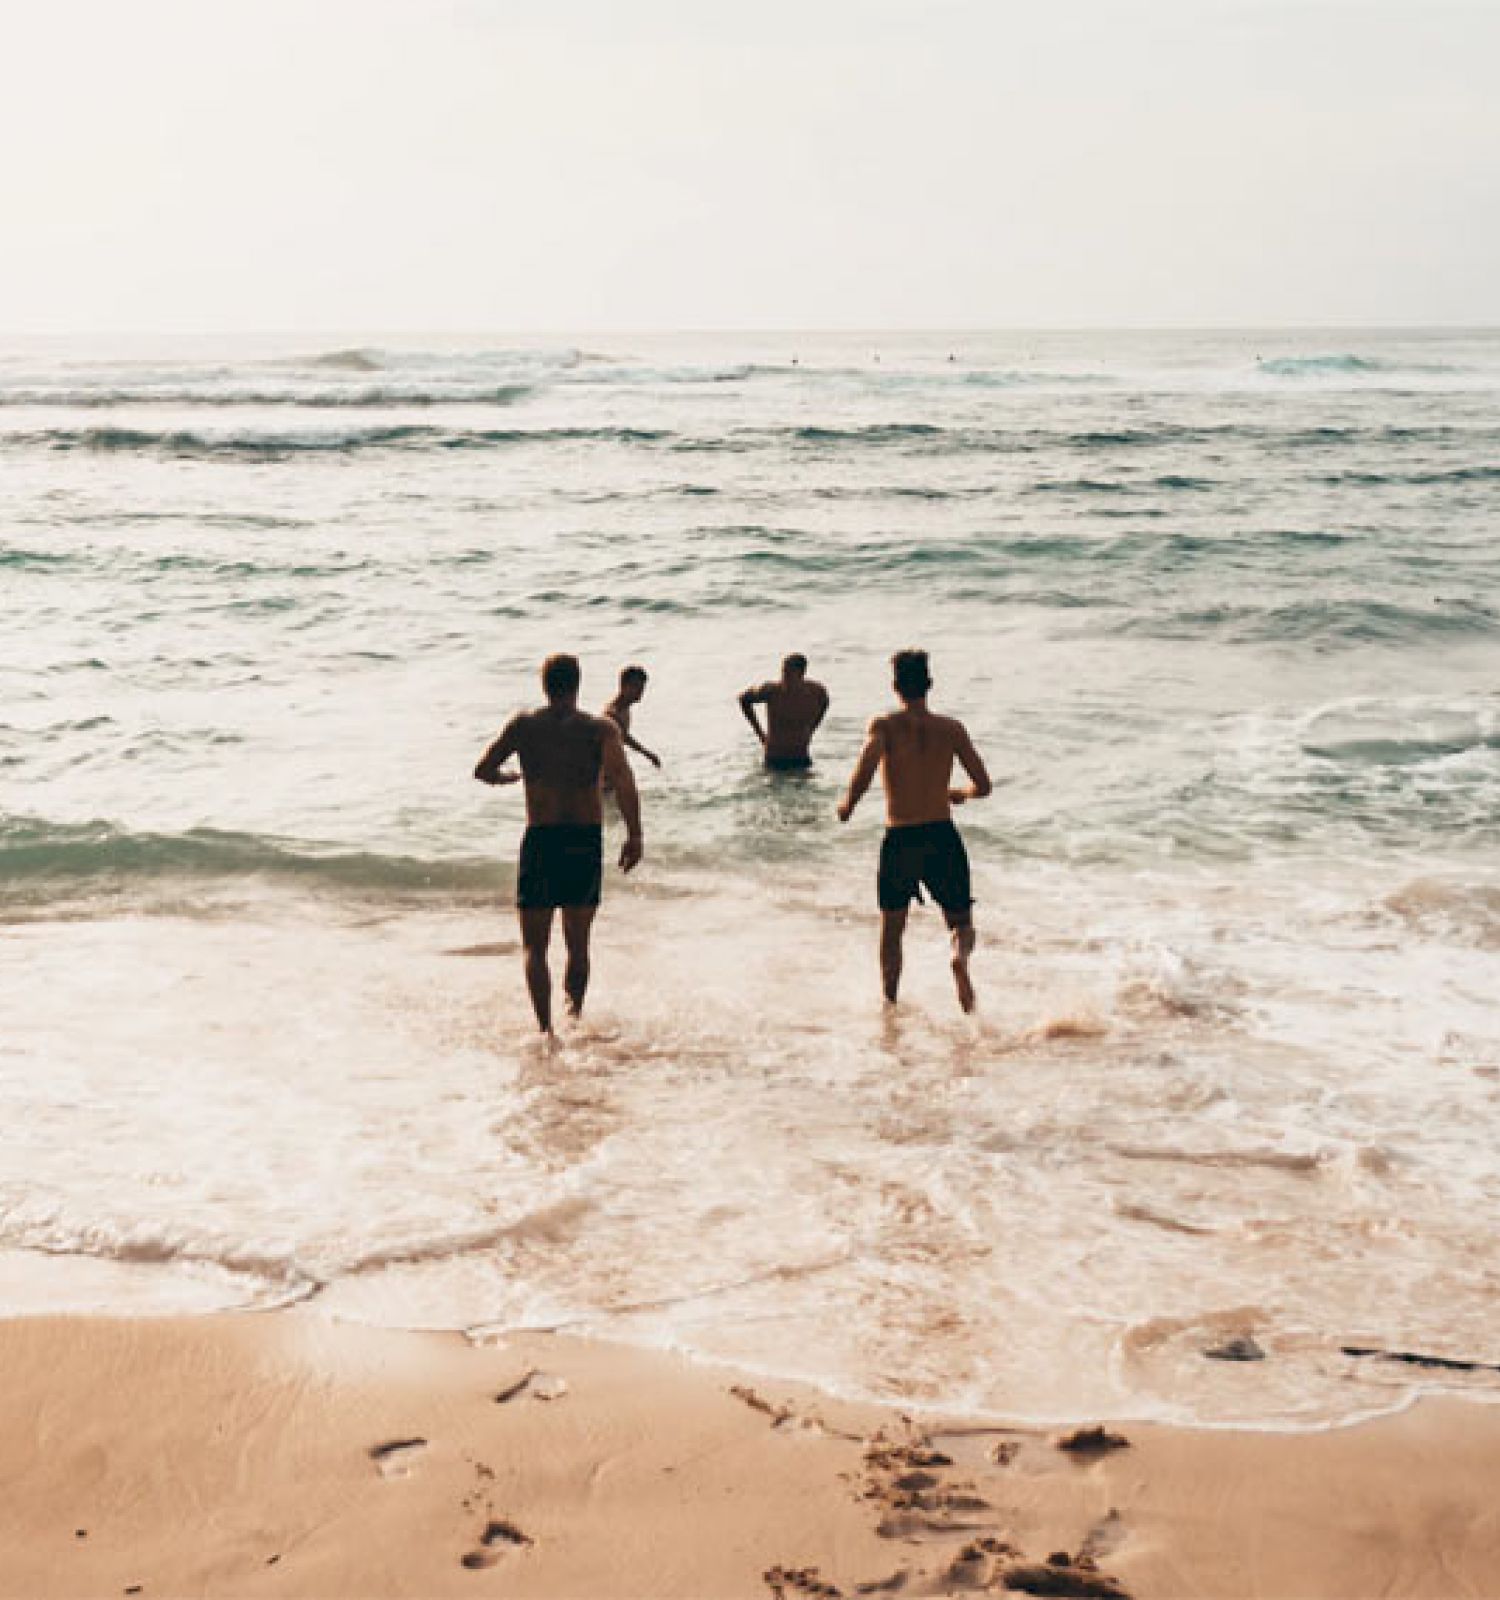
{"type": "Point", "coordinates": [630, 693]}
{"type": "Point", "coordinates": [795, 706]}
{"type": "Point", "coordinates": [914, 749]}
{"type": "Point", "coordinates": [564, 753]}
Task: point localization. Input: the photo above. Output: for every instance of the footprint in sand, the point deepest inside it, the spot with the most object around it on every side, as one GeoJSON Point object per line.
{"type": "Point", "coordinates": [891, 1585]}
{"type": "Point", "coordinates": [539, 1385]}
{"type": "Point", "coordinates": [784, 1419]}
{"type": "Point", "coordinates": [906, 1482]}
{"type": "Point", "coordinates": [1092, 1444]}
{"type": "Point", "coordinates": [1074, 1577]}
{"type": "Point", "coordinates": [497, 1538]}
{"type": "Point", "coordinates": [974, 1567]}
{"type": "Point", "coordinates": [395, 1457]}
{"type": "Point", "coordinates": [784, 1582]}
{"type": "Point", "coordinates": [1104, 1538]}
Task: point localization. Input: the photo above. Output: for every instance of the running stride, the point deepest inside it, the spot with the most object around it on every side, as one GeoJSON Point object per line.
{"type": "Point", "coordinates": [914, 749]}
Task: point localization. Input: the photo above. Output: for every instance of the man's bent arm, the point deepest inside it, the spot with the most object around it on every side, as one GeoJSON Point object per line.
{"type": "Point", "coordinates": [748, 702]}
{"type": "Point", "coordinates": [969, 760]}
{"type": "Point", "coordinates": [817, 721]}
{"type": "Point", "coordinates": [864, 770]}
{"type": "Point", "coordinates": [488, 770]}
{"type": "Point", "coordinates": [617, 774]}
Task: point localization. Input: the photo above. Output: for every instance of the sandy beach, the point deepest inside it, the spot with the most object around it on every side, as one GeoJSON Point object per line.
{"type": "Point", "coordinates": [286, 1454]}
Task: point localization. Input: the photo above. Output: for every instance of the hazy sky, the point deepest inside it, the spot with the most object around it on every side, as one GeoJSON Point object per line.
{"type": "Point", "coordinates": [630, 164]}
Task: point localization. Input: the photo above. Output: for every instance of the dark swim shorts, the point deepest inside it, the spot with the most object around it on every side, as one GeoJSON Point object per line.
{"type": "Point", "coordinates": [930, 853]}
{"type": "Point", "coordinates": [788, 763]}
{"type": "Point", "coordinates": [562, 864]}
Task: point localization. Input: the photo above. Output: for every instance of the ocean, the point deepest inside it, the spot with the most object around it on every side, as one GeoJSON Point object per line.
{"type": "Point", "coordinates": [1222, 612]}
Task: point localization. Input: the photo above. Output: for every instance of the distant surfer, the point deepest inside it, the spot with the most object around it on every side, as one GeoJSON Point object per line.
{"type": "Point", "coordinates": [630, 693]}
{"type": "Point", "coordinates": [914, 749]}
{"type": "Point", "coordinates": [795, 706]}
{"type": "Point", "coordinates": [563, 753]}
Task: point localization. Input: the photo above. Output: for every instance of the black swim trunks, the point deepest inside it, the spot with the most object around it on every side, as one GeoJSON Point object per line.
{"type": "Point", "coordinates": [562, 864]}
{"type": "Point", "coordinates": [930, 853]}
{"type": "Point", "coordinates": [788, 763]}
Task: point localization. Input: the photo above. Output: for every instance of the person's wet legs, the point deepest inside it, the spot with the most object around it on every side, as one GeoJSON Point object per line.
{"type": "Point", "coordinates": [892, 927]}
{"type": "Point", "coordinates": [577, 922]}
{"type": "Point", "coordinates": [961, 931]}
{"type": "Point", "coordinates": [536, 935]}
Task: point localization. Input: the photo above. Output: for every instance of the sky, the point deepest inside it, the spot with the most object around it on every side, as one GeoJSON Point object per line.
{"type": "Point", "coordinates": [621, 165]}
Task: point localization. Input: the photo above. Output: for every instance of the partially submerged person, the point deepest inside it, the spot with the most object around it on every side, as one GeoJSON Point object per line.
{"type": "Point", "coordinates": [914, 750]}
{"type": "Point", "coordinates": [795, 705]}
{"type": "Point", "coordinates": [564, 754]}
{"type": "Point", "coordinates": [629, 695]}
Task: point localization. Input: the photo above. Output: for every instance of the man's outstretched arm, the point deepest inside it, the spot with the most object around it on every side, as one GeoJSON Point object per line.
{"type": "Point", "coordinates": [632, 743]}
{"type": "Point", "coordinates": [490, 763]}
{"type": "Point", "coordinates": [748, 702]}
{"type": "Point", "coordinates": [621, 779]}
{"type": "Point", "coordinates": [864, 770]}
{"type": "Point", "coordinates": [969, 759]}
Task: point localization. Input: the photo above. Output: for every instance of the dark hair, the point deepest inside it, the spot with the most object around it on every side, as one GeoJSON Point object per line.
{"type": "Point", "coordinates": [561, 676]}
{"type": "Point", "coordinates": [912, 677]}
{"type": "Point", "coordinates": [632, 672]}
{"type": "Point", "coordinates": [796, 662]}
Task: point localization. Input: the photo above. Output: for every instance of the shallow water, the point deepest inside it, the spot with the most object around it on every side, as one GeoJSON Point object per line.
{"type": "Point", "coordinates": [1222, 611]}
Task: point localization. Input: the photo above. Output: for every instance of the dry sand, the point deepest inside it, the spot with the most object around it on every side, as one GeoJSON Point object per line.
{"type": "Point", "coordinates": [283, 1454]}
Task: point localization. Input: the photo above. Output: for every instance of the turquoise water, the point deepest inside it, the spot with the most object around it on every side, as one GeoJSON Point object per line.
{"type": "Point", "coordinates": [1223, 613]}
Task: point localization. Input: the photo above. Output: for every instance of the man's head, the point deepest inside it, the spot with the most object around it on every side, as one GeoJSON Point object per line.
{"type": "Point", "coordinates": [911, 674]}
{"type": "Point", "coordinates": [794, 667]}
{"type": "Point", "coordinates": [561, 676]}
{"type": "Point", "coordinates": [632, 684]}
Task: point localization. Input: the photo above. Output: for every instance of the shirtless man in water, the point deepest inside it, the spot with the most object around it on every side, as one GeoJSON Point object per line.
{"type": "Point", "coordinates": [795, 705]}
{"type": "Point", "coordinates": [915, 749]}
{"type": "Point", "coordinates": [631, 692]}
{"type": "Point", "coordinates": [564, 753]}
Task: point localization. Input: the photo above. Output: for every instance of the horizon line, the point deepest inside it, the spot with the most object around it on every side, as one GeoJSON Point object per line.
{"type": "Point", "coordinates": [756, 331]}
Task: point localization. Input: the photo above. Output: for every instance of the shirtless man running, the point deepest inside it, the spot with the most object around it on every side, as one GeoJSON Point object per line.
{"type": "Point", "coordinates": [915, 749]}
{"type": "Point", "coordinates": [795, 705]}
{"type": "Point", "coordinates": [564, 753]}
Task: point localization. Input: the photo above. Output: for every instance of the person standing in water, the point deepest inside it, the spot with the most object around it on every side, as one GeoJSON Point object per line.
{"type": "Point", "coordinates": [564, 754]}
{"type": "Point", "coordinates": [630, 694]}
{"type": "Point", "coordinates": [914, 749]}
{"type": "Point", "coordinates": [795, 706]}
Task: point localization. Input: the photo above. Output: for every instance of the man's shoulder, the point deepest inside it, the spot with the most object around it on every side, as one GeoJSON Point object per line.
{"type": "Point", "coordinates": [545, 723]}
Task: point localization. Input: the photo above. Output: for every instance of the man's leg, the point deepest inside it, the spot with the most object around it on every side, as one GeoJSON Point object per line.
{"type": "Point", "coordinates": [892, 926]}
{"type": "Point", "coordinates": [536, 935]}
{"type": "Point", "coordinates": [577, 921]}
{"type": "Point", "coordinates": [961, 931]}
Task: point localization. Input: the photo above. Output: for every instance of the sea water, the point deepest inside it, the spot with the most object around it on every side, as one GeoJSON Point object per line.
{"type": "Point", "coordinates": [1222, 613]}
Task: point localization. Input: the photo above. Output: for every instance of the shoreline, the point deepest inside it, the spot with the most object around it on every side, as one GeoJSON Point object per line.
{"type": "Point", "coordinates": [284, 1453]}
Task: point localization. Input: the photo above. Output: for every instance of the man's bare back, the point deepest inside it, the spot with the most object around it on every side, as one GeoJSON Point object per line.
{"type": "Point", "coordinates": [919, 748]}
{"type": "Point", "coordinates": [795, 707]}
{"type": "Point", "coordinates": [562, 756]}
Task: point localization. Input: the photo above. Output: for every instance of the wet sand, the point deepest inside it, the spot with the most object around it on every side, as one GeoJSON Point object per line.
{"type": "Point", "coordinates": [285, 1454]}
